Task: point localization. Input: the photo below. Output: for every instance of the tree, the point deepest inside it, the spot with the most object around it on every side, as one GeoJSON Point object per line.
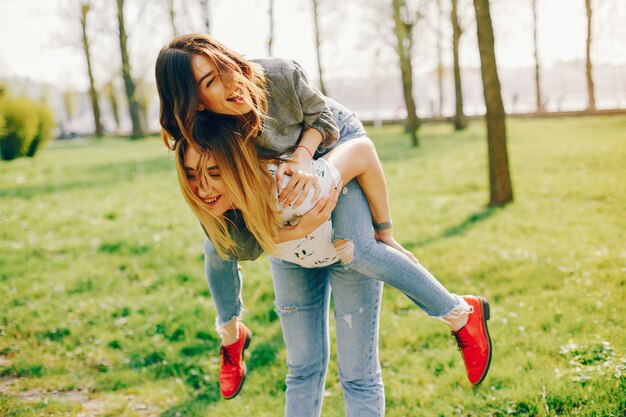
{"type": "Point", "coordinates": [460, 121]}
{"type": "Point", "coordinates": [440, 66]}
{"type": "Point", "coordinates": [317, 44]}
{"type": "Point", "coordinates": [144, 94]}
{"type": "Point", "coordinates": [501, 191]}
{"type": "Point", "coordinates": [591, 97]}
{"type": "Point", "coordinates": [172, 16]}
{"type": "Point", "coordinates": [404, 22]}
{"type": "Point", "coordinates": [70, 104]}
{"type": "Point", "coordinates": [129, 84]}
{"type": "Point", "coordinates": [111, 95]}
{"type": "Point", "coordinates": [93, 93]}
{"type": "Point", "coordinates": [270, 38]}
{"type": "Point", "coordinates": [205, 6]}
{"type": "Point", "coordinates": [536, 51]}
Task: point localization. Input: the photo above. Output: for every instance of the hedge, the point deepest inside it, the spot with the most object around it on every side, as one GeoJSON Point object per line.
{"type": "Point", "coordinates": [25, 126]}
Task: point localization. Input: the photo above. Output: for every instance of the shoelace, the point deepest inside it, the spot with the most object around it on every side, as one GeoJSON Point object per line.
{"type": "Point", "coordinates": [459, 340]}
{"type": "Point", "coordinates": [227, 357]}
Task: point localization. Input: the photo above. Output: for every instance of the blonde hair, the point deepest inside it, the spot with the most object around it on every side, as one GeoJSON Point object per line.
{"type": "Point", "coordinates": [178, 89]}
{"type": "Point", "coordinates": [246, 179]}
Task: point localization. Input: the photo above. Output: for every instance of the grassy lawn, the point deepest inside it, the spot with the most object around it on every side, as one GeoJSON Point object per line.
{"type": "Point", "coordinates": [104, 309]}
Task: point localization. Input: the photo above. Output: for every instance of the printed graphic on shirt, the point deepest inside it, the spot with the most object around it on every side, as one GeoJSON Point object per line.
{"type": "Point", "coordinates": [315, 249]}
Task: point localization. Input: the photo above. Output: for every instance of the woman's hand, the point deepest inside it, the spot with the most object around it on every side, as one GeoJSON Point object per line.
{"type": "Point", "coordinates": [314, 218]}
{"type": "Point", "coordinates": [386, 236]}
{"type": "Point", "coordinates": [299, 186]}
{"type": "Point", "coordinates": [321, 212]}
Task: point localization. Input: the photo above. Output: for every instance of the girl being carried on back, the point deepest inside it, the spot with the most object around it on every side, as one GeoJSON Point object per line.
{"type": "Point", "coordinates": [256, 113]}
{"type": "Point", "coordinates": [221, 171]}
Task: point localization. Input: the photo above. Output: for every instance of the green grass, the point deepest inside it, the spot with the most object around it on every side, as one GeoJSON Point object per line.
{"type": "Point", "coordinates": [104, 308]}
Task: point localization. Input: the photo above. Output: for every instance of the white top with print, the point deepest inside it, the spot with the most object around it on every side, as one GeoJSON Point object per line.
{"type": "Point", "coordinates": [315, 249]}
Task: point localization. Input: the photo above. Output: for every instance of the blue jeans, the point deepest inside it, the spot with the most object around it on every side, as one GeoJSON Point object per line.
{"type": "Point", "coordinates": [302, 299]}
{"type": "Point", "coordinates": [352, 221]}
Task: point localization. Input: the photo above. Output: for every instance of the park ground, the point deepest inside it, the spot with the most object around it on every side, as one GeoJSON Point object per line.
{"type": "Point", "coordinates": [104, 310]}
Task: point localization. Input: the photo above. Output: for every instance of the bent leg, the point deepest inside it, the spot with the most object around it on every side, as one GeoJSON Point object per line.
{"type": "Point", "coordinates": [361, 252]}
{"type": "Point", "coordinates": [302, 300]}
{"type": "Point", "coordinates": [356, 300]}
{"type": "Point", "coordinates": [357, 158]}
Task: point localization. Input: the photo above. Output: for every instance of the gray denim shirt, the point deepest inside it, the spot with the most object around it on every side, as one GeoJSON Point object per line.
{"type": "Point", "coordinates": [293, 105]}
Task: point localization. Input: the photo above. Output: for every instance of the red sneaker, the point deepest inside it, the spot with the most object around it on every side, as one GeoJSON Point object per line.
{"type": "Point", "coordinates": [233, 372]}
{"type": "Point", "coordinates": [474, 341]}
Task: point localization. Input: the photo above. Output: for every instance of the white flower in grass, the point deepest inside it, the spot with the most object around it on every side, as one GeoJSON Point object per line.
{"type": "Point", "coordinates": [570, 346]}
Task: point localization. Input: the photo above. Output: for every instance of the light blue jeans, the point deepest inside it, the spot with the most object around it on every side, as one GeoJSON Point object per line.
{"type": "Point", "coordinates": [302, 298]}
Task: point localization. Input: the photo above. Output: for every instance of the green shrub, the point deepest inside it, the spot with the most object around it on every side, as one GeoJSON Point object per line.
{"type": "Point", "coordinates": [21, 127]}
{"type": "Point", "coordinates": [24, 126]}
{"type": "Point", "coordinates": [2, 123]}
{"type": "Point", "coordinates": [45, 130]}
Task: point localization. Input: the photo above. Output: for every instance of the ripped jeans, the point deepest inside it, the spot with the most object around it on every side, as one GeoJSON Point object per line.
{"type": "Point", "coordinates": [302, 298]}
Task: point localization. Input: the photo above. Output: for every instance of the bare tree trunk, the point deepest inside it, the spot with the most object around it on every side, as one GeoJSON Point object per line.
{"type": "Point", "coordinates": [70, 105]}
{"type": "Point", "coordinates": [205, 7]}
{"type": "Point", "coordinates": [537, 69]}
{"type": "Point", "coordinates": [270, 38]}
{"type": "Point", "coordinates": [172, 15]}
{"type": "Point", "coordinates": [404, 36]}
{"type": "Point", "coordinates": [93, 93]}
{"type": "Point", "coordinates": [115, 108]}
{"type": "Point", "coordinates": [591, 106]}
{"type": "Point", "coordinates": [440, 68]}
{"type": "Point", "coordinates": [501, 191]}
{"type": "Point", "coordinates": [129, 84]}
{"type": "Point", "coordinates": [460, 121]}
{"type": "Point", "coordinates": [317, 45]}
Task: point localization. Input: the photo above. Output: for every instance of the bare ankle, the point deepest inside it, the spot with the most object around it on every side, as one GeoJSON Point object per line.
{"type": "Point", "coordinates": [230, 332]}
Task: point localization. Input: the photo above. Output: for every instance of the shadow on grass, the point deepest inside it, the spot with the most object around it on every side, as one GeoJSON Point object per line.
{"type": "Point", "coordinates": [196, 406]}
{"type": "Point", "coordinates": [458, 229]}
{"type": "Point", "coordinates": [95, 176]}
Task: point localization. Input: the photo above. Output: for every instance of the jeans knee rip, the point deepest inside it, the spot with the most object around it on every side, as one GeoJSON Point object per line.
{"type": "Point", "coordinates": [348, 317]}
{"type": "Point", "coordinates": [285, 309]}
{"type": "Point", "coordinates": [345, 250]}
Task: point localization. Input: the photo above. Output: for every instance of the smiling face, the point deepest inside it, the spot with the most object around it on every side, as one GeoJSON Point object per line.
{"type": "Point", "coordinates": [209, 187]}
{"type": "Point", "coordinates": [219, 93]}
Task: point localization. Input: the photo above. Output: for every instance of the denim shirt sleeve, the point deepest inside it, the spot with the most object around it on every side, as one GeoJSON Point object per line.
{"type": "Point", "coordinates": [317, 114]}
{"type": "Point", "coordinates": [293, 105]}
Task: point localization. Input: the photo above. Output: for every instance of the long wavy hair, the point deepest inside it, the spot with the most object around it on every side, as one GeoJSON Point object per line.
{"type": "Point", "coordinates": [178, 89]}
{"type": "Point", "coordinates": [247, 181]}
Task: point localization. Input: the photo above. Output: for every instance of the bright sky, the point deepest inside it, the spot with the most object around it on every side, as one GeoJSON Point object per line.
{"type": "Point", "coordinates": [31, 32]}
